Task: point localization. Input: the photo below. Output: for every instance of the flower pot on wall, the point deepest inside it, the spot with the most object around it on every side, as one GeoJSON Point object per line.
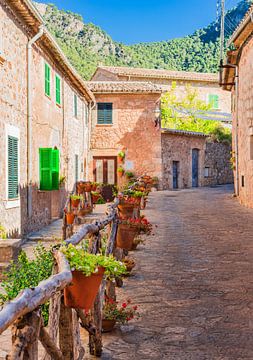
{"type": "Point", "coordinates": [70, 217]}
{"type": "Point", "coordinates": [126, 210]}
{"type": "Point", "coordinates": [125, 236]}
{"type": "Point", "coordinates": [108, 325]}
{"type": "Point", "coordinates": [82, 292]}
{"type": "Point", "coordinates": [75, 202]}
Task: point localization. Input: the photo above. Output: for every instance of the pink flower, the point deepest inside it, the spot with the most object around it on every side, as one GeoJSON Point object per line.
{"type": "Point", "coordinates": [124, 305]}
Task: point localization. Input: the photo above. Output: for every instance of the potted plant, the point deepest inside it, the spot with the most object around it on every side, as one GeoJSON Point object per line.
{"type": "Point", "coordinates": [129, 174]}
{"type": "Point", "coordinates": [114, 313]}
{"type": "Point", "coordinates": [70, 217]}
{"type": "Point", "coordinates": [120, 171]}
{"type": "Point", "coordinates": [75, 200]}
{"type": "Point", "coordinates": [95, 196]}
{"type": "Point", "coordinates": [121, 156]}
{"type": "Point", "coordinates": [87, 271]}
{"type": "Point", "coordinates": [94, 186]}
{"type": "Point", "coordinates": [127, 230]}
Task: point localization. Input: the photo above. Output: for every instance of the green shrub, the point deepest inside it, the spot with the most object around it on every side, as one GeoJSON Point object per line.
{"type": "Point", "coordinates": [26, 273]}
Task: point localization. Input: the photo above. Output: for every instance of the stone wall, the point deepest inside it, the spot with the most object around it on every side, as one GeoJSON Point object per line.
{"type": "Point", "coordinates": [214, 160]}
{"type": "Point", "coordinates": [52, 125]}
{"type": "Point", "coordinates": [217, 160]}
{"type": "Point", "coordinates": [133, 130]}
{"type": "Point", "coordinates": [177, 147]}
{"type": "Point", "coordinates": [245, 124]}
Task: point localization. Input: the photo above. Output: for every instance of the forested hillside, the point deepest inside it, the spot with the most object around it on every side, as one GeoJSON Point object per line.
{"type": "Point", "coordinates": [87, 46]}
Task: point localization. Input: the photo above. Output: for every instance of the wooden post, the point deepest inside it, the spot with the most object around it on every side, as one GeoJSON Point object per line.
{"type": "Point", "coordinates": [25, 334]}
{"type": "Point", "coordinates": [69, 334]}
{"type": "Point", "coordinates": [95, 341]}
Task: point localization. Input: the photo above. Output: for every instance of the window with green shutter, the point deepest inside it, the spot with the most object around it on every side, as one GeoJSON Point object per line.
{"type": "Point", "coordinates": [47, 79]}
{"type": "Point", "coordinates": [58, 89]}
{"type": "Point", "coordinates": [12, 168]}
{"type": "Point", "coordinates": [75, 106]}
{"type": "Point", "coordinates": [213, 100]}
{"type": "Point", "coordinates": [104, 113]}
{"type": "Point", "coordinates": [49, 168]}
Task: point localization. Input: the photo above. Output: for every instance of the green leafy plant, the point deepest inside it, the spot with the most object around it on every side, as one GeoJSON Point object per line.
{"type": "Point", "coordinates": [120, 313]}
{"type": "Point", "coordinates": [120, 170]}
{"type": "Point", "coordinates": [129, 174]}
{"type": "Point", "coordinates": [101, 201]}
{"type": "Point", "coordinates": [88, 263]}
{"type": "Point", "coordinates": [193, 106]}
{"type": "Point", "coordinates": [76, 197]}
{"type": "Point", "coordinates": [121, 154]}
{"type": "Point", "coordinates": [26, 273]}
{"type": "Point", "coordinates": [3, 233]}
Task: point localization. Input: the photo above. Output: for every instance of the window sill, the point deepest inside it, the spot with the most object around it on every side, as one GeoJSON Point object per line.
{"type": "Point", "coordinates": [11, 204]}
{"type": "Point", "coordinates": [48, 97]}
{"type": "Point", "coordinates": [99, 125]}
{"type": "Point", "coordinates": [58, 105]}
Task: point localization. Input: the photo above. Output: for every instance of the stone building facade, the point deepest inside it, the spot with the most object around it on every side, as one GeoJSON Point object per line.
{"type": "Point", "coordinates": [191, 159]}
{"type": "Point", "coordinates": [133, 128]}
{"type": "Point", "coordinates": [237, 78]}
{"type": "Point", "coordinates": [54, 102]}
{"type": "Point", "coordinates": [207, 85]}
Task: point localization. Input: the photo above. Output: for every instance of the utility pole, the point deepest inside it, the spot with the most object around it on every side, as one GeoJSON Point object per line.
{"type": "Point", "coordinates": [222, 31]}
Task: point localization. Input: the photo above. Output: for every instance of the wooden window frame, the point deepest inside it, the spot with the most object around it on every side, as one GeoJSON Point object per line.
{"type": "Point", "coordinates": [75, 105]}
{"type": "Point", "coordinates": [58, 91]}
{"type": "Point", "coordinates": [47, 82]}
{"type": "Point", "coordinates": [99, 123]}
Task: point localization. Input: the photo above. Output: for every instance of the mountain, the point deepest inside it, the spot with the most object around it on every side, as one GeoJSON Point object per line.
{"type": "Point", "coordinates": [87, 45]}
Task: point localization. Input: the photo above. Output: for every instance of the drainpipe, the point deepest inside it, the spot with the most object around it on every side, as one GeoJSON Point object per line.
{"type": "Point", "coordinates": [91, 107]}
{"type": "Point", "coordinates": [29, 118]}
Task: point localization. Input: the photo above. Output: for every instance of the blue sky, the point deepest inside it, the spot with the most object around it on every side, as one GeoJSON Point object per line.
{"type": "Point", "coordinates": [133, 21]}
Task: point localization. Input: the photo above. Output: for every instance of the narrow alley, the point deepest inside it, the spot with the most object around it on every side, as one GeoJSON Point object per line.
{"type": "Point", "coordinates": [193, 281]}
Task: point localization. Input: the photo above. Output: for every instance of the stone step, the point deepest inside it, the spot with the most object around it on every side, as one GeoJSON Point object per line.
{"type": "Point", "coordinates": [9, 249]}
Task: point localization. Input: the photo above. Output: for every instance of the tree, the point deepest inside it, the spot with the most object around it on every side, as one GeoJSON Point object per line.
{"type": "Point", "coordinates": [184, 113]}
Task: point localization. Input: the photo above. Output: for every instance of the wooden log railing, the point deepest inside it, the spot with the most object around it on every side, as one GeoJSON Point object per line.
{"type": "Point", "coordinates": [61, 339]}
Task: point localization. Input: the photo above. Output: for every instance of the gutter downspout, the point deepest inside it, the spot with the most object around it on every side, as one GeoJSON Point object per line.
{"type": "Point", "coordinates": [91, 107]}
{"type": "Point", "coordinates": [29, 118]}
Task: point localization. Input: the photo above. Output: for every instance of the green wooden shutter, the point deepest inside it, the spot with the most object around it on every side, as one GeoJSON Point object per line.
{"type": "Point", "coordinates": [104, 113]}
{"type": "Point", "coordinates": [55, 169]}
{"type": "Point", "coordinates": [213, 101]}
{"type": "Point", "coordinates": [12, 167]}
{"type": "Point", "coordinates": [75, 106]}
{"type": "Point", "coordinates": [76, 168]}
{"type": "Point", "coordinates": [47, 80]}
{"type": "Point", "coordinates": [45, 168]}
{"type": "Point", "coordinates": [58, 89]}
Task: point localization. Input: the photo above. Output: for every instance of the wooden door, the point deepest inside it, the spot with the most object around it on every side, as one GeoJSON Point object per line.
{"type": "Point", "coordinates": [105, 170]}
{"type": "Point", "coordinates": [195, 167]}
{"type": "Point", "coordinates": [175, 174]}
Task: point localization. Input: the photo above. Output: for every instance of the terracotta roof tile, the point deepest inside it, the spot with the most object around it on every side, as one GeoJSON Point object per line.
{"type": "Point", "coordinates": [183, 132]}
{"type": "Point", "coordinates": [242, 25]}
{"type": "Point", "coordinates": [123, 87]}
{"type": "Point", "coordinates": [160, 74]}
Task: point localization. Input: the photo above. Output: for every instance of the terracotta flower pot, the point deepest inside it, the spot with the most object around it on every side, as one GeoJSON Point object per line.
{"type": "Point", "coordinates": [126, 210]}
{"type": "Point", "coordinates": [125, 236]}
{"type": "Point", "coordinates": [87, 187]}
{"type": "Point", "coordinates": [82, 292]}
{"type": "Point", "coordinates": [79, 188]}
{"type": "Point", "coordinates": [120, 159]}
{"type": "Point", "coordinates": [108, 325]}
{"type": "Point", "coordinates": [120, 173]}
{"type": "Point", "coordinates": [93, 187]}
{"type": "Point", "coordinates": [70, 217]}
{"type": "Point", "coordinates": [75, 202]}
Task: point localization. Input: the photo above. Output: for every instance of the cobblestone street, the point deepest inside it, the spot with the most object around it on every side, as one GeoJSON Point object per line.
{"type": "Point", "coordinates": [193, 281]}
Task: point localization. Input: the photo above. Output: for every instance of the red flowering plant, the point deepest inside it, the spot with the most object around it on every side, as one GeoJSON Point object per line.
{"type": "Point", "coordinates": [143, 225]}
{"type": "Point", "coordinates": [120, 313]}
